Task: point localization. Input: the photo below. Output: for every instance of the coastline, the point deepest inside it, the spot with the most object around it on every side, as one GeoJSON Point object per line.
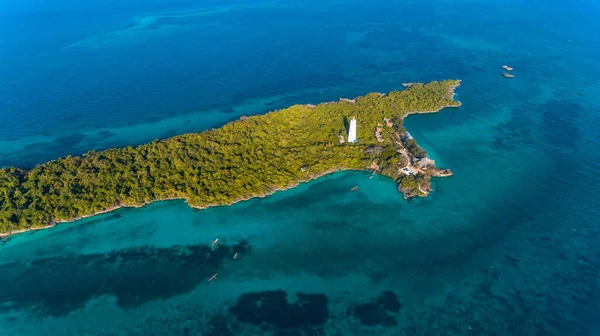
{"type": "Point", "coordinates": [7, 234]}
{"type": "Point", "coordinates": [135, 206]}
{"type": "Point", "coordinates": [370, 167]}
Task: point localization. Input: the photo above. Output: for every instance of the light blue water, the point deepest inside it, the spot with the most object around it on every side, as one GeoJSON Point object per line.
{"type": "Point", "coordinates": [506, 246]}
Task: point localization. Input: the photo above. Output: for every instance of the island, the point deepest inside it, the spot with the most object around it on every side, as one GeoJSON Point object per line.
{"type": "Point", "coordinates": [251, 157]}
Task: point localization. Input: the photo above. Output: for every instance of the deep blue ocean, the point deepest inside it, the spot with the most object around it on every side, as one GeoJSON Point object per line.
{"type": "Point", "coordinates": [509, 245]}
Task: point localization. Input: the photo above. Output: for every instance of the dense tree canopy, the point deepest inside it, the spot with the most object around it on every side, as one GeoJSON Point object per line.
{"type": "Point", "coordinates": [240, 160]}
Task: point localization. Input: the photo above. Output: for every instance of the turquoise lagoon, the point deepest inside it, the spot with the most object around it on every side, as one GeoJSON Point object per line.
{"type": "Point", "coordinates": [506, 246]}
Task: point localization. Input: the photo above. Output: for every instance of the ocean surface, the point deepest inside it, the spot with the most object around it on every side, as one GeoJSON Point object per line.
{"type": "Point", "coordinates": [509, 245]}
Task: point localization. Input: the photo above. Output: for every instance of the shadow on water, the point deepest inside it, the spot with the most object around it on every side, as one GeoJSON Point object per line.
{"type": "Point", "coordinates": [134, 276]}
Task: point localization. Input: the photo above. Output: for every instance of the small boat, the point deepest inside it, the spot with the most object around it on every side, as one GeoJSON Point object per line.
{"type": "Point", "coordinates": [507, 75]}
{"type": "Point", "coordinates": [235, 256]}
{"type": "Point", "coordinates": [214, 276]}
{"type": "Point", "coordinates": [507, 68]}
{"type": "Point", "coordinates": [354, 189]}
{"type": "Point", "coordinates": [215, 242]}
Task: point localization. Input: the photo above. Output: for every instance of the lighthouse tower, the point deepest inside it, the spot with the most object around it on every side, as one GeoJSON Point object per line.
{"type": "Point", "coordinates": [352, 131]}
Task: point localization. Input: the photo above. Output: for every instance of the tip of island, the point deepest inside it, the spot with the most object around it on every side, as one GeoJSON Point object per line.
{"type": "Point", "coordinates": [252, 157]}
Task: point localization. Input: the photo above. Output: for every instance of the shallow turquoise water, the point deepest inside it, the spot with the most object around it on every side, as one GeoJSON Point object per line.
{"type": "Point", "coordinates": [506, 246]}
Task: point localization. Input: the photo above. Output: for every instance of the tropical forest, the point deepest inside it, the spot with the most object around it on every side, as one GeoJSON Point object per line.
{"type": "Point", "coordinates": [250, 157]}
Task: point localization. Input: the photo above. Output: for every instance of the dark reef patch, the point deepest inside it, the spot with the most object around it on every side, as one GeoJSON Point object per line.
{"type": "Point", "coordinates": [135, 276]}
{"type": "Point", "coordinates": [513, 133]}
{"type": "Point", "coordinates": [372, 314]}
{"type": "Point", "coordinates": [70, 140]}
{"type": "Point", "coordinates": [227, 110]}
{"type": "Point", "coordinates": [168, 133]}
{"type": "Point", "coordinates": [271, 308]}
{"type": "Point", "coordinates": [219, 326]}
{"type": "Point", "coordinates": [389, 301]}
{"type": "Point", "coordinates": [559, 122]}
{"type": "Point", "coordinates": [106, 134]}
{"type": "Point", "coordinates": [377, 313]}
{"type": "Point", "coordinates": [35, 153]}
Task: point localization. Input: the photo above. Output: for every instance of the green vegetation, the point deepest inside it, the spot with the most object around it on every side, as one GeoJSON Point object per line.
{"type": "Point", "coordinates": [414, 149]}
{"type": "Point", "coordinates": [243, 159]}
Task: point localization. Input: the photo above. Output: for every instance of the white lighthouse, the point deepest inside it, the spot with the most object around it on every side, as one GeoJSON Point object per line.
{"type": "Point", "coordinates": [352, 131]}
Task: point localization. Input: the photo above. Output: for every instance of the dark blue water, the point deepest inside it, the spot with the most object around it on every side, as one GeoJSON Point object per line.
{"type": "Point", "coordinates": [506, 246]}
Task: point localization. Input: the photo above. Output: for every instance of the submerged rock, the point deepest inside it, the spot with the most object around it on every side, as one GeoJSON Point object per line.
{"type": "Point", "coordinates": [389, 301]}
{"type": "Point", "coordinates": [272, 308]}
{"type": "Point", "coordinates": [377, 313]}
{"type": "Point", "coordinates": [373, 314]}
{"type": "Point", "coordinates": [218, 326]}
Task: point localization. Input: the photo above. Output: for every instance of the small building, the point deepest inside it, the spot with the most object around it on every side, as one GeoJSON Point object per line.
{"type": "Point", "coordinates": [388, 122]}
{"type": "Point", "coordinates": [378, 131]}
{"type": "Point", "coordinates": [352, 130]}
{"type": "Point", "coordinates": [407, 171]}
